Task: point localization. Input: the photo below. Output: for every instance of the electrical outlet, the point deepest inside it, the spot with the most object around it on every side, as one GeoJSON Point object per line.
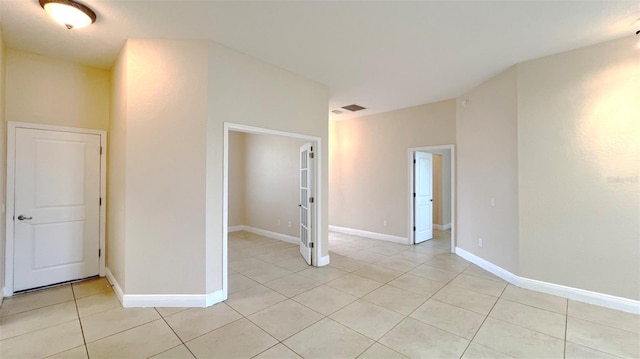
{"type": "Point", "coordinates": [289, 224]}
{"type": "Point", "coordinates": [493, 201]}
{"type": "Point", "coordinates": [480, 242]}
{"type": "Point", "coordinates": [278, 222]}
{"type": "Point", "coordinates": [385, 223]}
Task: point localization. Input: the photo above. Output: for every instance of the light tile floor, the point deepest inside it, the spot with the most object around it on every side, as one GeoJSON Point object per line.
{"type": "Point", "coordinates": [375, 300]}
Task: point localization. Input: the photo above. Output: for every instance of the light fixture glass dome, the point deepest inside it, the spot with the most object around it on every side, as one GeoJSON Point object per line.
{"type": "Point", "coordinates": [69, 13]}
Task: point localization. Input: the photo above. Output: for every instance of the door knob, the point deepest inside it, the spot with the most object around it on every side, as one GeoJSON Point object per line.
{"type": "Point", "coordinates": [23, 218]}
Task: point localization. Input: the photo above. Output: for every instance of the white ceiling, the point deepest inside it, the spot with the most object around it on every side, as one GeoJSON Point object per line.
{"type": "Point", "coordinates": [383, 55]}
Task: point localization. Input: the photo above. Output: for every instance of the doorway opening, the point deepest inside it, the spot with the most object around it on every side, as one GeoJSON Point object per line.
{"type": "Point", "coordinates": [270, 184]}
{"type": "Point", "coordinates": [441, 192]}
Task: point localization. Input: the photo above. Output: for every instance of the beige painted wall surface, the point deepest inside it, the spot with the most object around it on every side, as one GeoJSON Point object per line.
{"type": "Point", "coordinates": [437, 189]}
{"type": "Point", "coordinates": [116, 174]}
{"type": "Point", "coordinates": [369, 159]}
{"type": "Point", "coordinates": [487, 166]}
{"type": "Point", "coordinates": [446, 184]}
{"type": "Point", "coordinates": [167, 83]}
{"type": "Point", "coordinates": [246, 91]}
{"type": "Point", "coordinates": [272, 183]}
{"type": "Point", "coordinates": [3, 158]}
{"type": "Point", "coordinates": [579, 146]}
{"type": "Point", "coordinates": [55, 92]}
{"type": "Point", "coordinates": [236, 178]}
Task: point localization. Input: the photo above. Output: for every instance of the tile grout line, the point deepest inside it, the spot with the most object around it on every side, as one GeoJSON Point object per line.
{"type": "Point", "coordinates": [566, 326]}
{"type": "Point", "coordinates": [483, 321]}
{"type": "Point", "coordinates": [75, 301]}
{"type": "Point", "coordinates": [382, 284]}
{"type": "Point", "coordinates": [174, 332]}
{"type": "Point", "coordinates": [413, 311]}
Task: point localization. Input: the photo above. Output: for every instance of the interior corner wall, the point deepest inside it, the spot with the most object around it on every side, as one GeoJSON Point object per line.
{"type": "Point", "coordinates": [246, 91]}
{"type": "Point", "coordinates": [49, 91]}
{"type": "Point", "coordinates": [166, 119]}
{"type": "Point", "coordinates": [237, 176]}
{"type": "Point", "coordinates": [116, 172]}
{"type": "Point", "coordinates": [579, 166]}
{"type": "Point", "coordinates": [368, 176]}
{"type": "Point", "coordinates": [272, 183]}
{"type": "Point", "coordinates": [487, 167]}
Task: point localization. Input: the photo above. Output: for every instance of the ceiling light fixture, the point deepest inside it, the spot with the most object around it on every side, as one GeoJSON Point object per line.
{"type": "Point", "coordinates": [69, 13]}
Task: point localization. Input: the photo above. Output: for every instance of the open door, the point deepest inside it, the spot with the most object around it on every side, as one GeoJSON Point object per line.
{"type": "Point", "coordinates": [306, 201]}
{"type": "Point", "coordinates": [422, 197]}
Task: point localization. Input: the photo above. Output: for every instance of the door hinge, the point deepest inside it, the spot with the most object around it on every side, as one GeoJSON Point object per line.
{"type": "Point", "coordinates": [99, 252]}
{"type": "Point", "coordinates": [100, 150]}
{"type": "Point", "coordinates": [311, 199]}
{"type": "Point", "coordinates": [414, 229]}
{"type": "Point", "coordinates": [414, 161]}
{"type": "Point", "coordinates": [100, 201]}
{"type": "Point", "coordinates": [414, 195]}
{"type": "Point", "coordinates": [311, 155]}
{"type": "Point", "coordinates": [310, 244]}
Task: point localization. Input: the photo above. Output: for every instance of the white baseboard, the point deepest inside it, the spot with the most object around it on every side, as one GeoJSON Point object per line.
{"type": "Point", "coordinates": [235, 228]}
{"type": "Point", "coordinates": [581, 295]}
{"type": "Point", "coordinates": [374, 235]}
{"type": "Point", "coordinates": [442, 227]}
{"type": "Point", "coordinates": [215, 297]}
{"type": "Point", "coordinates": [164, 300]}
{"type": "Point", "coordinates": [264, 232]}
{"type": "Point", "coordinates": [115, 285]}
{"type": "Point", "coordinates": [323, 261]}
{"type": "Point", "coordinates": [489, 267]}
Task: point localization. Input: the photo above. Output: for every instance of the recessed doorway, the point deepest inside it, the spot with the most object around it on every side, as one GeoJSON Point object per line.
{"type": "Point", "coordinates": [441, 189]}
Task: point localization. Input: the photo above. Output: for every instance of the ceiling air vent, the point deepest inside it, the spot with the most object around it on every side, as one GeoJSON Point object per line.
{"type": "Point", "coordinates": [353, 108]}
{"type": "Point", "coordinates": [336, 112]}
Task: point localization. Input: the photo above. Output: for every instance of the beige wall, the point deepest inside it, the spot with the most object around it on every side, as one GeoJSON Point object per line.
{"type": "Point", "coordinates": [116, 174]}
{"type": "Point", "coordinates": [55, 92]}
{"type": "Point", "coordinates": [42, 90]}
{"type": "Point", "coordinates": [579, 163]}
{"type": "Point", "coordinates": [369, 159]}
{"type": "Point", "coordinates": [236, 179]}
{"type": "Point", "coordinates": [272, 183]}
{"type": "Point", "coordinates": [445, 155]}
{"type": "Point", "coordinates": [555, 141]}
{"type": "Point", "coordinates": [3, 160]}
{"type": "Point", "coordinates": [487, 167]}
{"type": "Point", "coordinates": [166, 116]}
{"type": "Point", "coordinates": [243, 90]}
{"type": "Point", "coordinates": [174, 100]}
{"type": "Point", "coordinates": [436, 171]}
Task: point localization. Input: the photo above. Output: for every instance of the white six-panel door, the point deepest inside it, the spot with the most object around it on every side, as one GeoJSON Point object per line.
{"type": "Point", "coordinates": [423, 197]}
{"type": "Point", "coordinates": [57, 208]}
{"type": "Point", "coordinates": [306, 201]}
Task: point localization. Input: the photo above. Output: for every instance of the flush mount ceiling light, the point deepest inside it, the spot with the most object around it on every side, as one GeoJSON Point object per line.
{"type": "Point", "coordinates": [69, 13]}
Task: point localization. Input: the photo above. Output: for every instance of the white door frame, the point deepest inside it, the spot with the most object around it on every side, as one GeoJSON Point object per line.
{"type": "Point", "coordinates": [411, 151]}
{"type": "Point", "coordinates": [317, 180]}
{"type": "Point", "coordinates": [10, 197]}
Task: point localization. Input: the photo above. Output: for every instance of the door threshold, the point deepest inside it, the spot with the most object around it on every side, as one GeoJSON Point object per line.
{"type": "Point", "coordinates": [36, 289]}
